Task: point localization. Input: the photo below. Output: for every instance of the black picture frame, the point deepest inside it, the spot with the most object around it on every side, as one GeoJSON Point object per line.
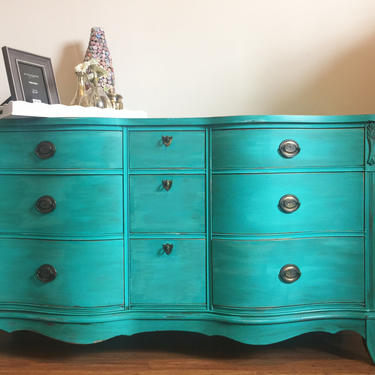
{"type": "Point", "coordinates": [30, 77]}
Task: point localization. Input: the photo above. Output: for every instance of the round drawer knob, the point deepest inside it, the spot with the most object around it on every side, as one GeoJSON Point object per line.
{"type": "Point", "coordinates": [289, 148]}
{"type": "Point", "coordinates": [289, 273]}
{"type": "Point", "coordinates": [45, 150]}
{"type": "Point", "coordinates": [46, 273]}
{"type": "Point", "coordinates": [289, 203]}
{"type": "Point", "coordinates": [45, 204]}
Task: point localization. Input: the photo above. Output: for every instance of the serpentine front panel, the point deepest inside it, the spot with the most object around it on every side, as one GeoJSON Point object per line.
{"type": "Point", "coordinates": [256, 228]}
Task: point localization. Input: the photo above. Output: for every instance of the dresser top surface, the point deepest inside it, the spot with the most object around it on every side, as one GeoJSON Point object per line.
{"type": "Point", "coordinates": [254, 120]}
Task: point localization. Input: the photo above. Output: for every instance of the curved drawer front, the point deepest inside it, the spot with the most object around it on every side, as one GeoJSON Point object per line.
{"type": "Point", "coordinates": [167, 149]}
{"type": "Point", "coordinates": [259, 148]}
{"type": "Point", "coordinates": [327, 202]}
{"type": "Point", "coordinates": [84, 205]}
{"type": "Point", "coordinates": [178, 206]}
{"type": "Point", "coordinates": [61, 150]}
{"type": "Point", "coordinates": [167, 272]}
{"type": "Point", "coordinates": [88, 273]}
{"type": "Point", "coordinates": [246, 274]}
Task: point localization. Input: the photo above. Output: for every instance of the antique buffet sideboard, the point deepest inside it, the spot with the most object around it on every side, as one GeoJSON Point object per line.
{"type": "Point", "coordinates": [257, 228]}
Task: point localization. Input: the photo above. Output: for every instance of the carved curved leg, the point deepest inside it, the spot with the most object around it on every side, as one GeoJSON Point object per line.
{"type": "Point", "coordinates": [370, 338]}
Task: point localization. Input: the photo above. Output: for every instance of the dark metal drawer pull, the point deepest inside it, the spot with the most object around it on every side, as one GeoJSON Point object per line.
{"type": "Point", "coordinates": [167, 184]}
{"type": "Point", "coordinates": [45, 204]}
{"type": "Point", "coordinates": [45, 150]}
{"type": "Point", "coordinates": [289, 203]}
{"type": "Point", "coordinates": [289, 273]}
{"type": "Point", "coordinates": [46, 273]}
{"type": "Point", "coordinates": [167, 140]}
{"type": "Point", "coordinates": [167, 247]}
{"type": "Point", "coordinates": [289, 148]}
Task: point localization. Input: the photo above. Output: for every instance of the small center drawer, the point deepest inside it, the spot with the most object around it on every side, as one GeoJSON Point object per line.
{"type": "Point", "coordinates": [61, 150]}
{"type": "Point", "coordinates": [167, 272]}
{"type": "Point", "coordinates": [287, 148]}
{"type": "Point", "coordinates": [62, 273]}
{"type": "Point", "coordinates": [167, 203]}
{"type": "Point", "coordinates": [167, 149]}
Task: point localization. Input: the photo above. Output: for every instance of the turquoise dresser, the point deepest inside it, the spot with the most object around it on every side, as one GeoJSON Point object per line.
{"type": "Point", "coordinates": [256, 228]}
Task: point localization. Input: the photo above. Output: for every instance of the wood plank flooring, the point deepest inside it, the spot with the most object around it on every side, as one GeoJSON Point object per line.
{"type": "Point", "coordinates": [184, 353]}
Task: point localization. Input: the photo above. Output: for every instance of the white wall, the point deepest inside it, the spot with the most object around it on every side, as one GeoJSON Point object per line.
{"type": "Point", "coordinates": [210, 57]}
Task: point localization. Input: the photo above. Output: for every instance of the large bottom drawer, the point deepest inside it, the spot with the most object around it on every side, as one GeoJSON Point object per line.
{"type": "Point", "coordinates": [167, 272]}
{"type": "Point", "coordinates": [248, 274]}
{"type": "Point", "coordinates": [62, 273]}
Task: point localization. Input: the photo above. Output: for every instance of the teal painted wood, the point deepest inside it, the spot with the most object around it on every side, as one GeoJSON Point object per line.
{"type": "Point", "coordinates": [89, 273]}
{"type": "Point", "coordinates": [370, 338]}
{"type": "Point", "coordinates": [330, 202]}
{"type": "Point", "coordinates": [179, 210]}
{"type": "Point", "coordinates": [336, 203]}
{"type": "Point", "coordinates": [246, 273]}
{"type": "Point", "coordinates": [227, 121]}
{"type": "Point", "coordinates": [281, 315]}
{"type": "Point", "coordinates": [125, 189]}
{"type": "Point", "coordinates": [186, 150]}
{"type": "Point", "coordinates": [74, 150]}
{"type": "Point", "coordinates": [258, 148]}
{"type": "Point", "coordinates": [159, 279]}
{"type": "Point", "coordinates": [369, 259]}
{"type": "Point", "coordinates": [256, 334]}
{"type": "Point", "coordinates": [208, 217]}
{"type": "Point", "coordinates": [85, 205]}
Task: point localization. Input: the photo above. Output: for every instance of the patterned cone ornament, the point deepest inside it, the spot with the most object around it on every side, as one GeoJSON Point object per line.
{"type": "Point", "coordinates": [98, 49]}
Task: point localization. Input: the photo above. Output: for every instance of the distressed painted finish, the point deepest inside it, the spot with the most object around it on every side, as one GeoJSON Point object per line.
{"type": "Point", "coordinates": [221, 215]}
{"type": "Point", "coordinates": [329, 202]}
{"type": "Point", "coordinates": [246, 273]}
{"type": "Point", "coordinates": [85, 205]}
{"type": "Point", "coordinates": [156, 210]}
{"type": "Point", "coordinates": [159, 279]}
{"type": "Point", "coordinates": [170, 156]}
{"type": "Point", "coordinates": [74, 150]}
{"type": "Point", "coordinates": [88, 273]}
{"type": "Point", "coordinates": [258, 148]}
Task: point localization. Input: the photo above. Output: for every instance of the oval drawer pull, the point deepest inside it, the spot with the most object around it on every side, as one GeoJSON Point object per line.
{"type": "Point", "coordinates": [289, 203]}
{"type": "Point", "coordinates": [289, 273]}
{"type": "Point", "coordinates": [45, 150]}
{"type": "Point", "coordinates": [167, 140]}
{"type": "Point", "coordinates": [45, 204]}
{"type": "Point", "coordinates": [167, 247]}
{"type": "Point", "coordinates": [167, 184]}
{"type": "Point", "coordinates": [46, 273]}
{"type": "Point", "coordinates": [289, 148]}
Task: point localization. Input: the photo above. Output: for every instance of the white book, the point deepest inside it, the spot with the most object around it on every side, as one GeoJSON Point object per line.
{"type": "Point", "coordinates": [25, 109]}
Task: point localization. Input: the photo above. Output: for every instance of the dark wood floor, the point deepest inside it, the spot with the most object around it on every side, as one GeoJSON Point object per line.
{"type": "Point", "coordinates": [184, 353]}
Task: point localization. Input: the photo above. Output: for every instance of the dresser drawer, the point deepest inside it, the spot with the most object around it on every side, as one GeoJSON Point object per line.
{"type": "Point", "coordinates": [61, 273]}
{"type": "Point", "coordinates": [246, 274]}
{"type": "Point", "coordinates": [167, 272]}
{"type": "Point", "coordinates": [328, 202]}
{"type": "Point", "coordinates": [264, 148]}
{"type": "Point", "coordinates": [155, 209]}
{"type": "Point", "coordinates": [61, 205]}
{"type": "Point", "coordinates": [61, 150]}
{"type": "Point", "coordinates": [167, 149]}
